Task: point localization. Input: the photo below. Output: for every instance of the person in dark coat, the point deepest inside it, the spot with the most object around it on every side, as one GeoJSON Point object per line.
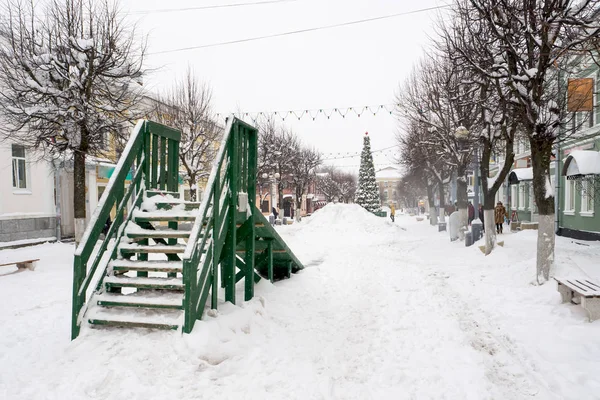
{"type": "Point", "coordinates": [481, 217]}
{"type": "Point", "coordinates": [275, 213]}
{"type": "Point", "coordinates": [471, 211]}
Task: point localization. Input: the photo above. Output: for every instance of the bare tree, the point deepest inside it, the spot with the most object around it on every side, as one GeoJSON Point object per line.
{"type": "Point", "coordinates": [278, 150]}
{"type": "Point", "coordinates": [187, 107]}
{"type": "Point", "coordinates": [67, 79]}
{"type": "Point", "coordinates": [302, 173]}
{"type": "Point", "coordinates": [347, 184]}
{"type": "Point", "coordinates": [471, 45]}
{"type": "Point", "coordinates": [437, 100]}
{"type": "Point", "coordinates": [535, 37]}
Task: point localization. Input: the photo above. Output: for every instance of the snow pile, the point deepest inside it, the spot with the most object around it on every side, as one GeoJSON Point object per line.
{"type": "Point", "coordinates": [583, 162]}
{"type": "Point", "coordinates": [378, 313]}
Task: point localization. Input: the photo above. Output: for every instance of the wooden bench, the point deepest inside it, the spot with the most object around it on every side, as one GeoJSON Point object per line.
{"type": "Point", "coordinates": [27, 264]}
{"type": "Point", "coordinates": [585, 290]}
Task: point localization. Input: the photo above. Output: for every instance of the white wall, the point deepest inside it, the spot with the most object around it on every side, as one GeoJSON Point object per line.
{"type": "Point", "coordinates": [38, 198]}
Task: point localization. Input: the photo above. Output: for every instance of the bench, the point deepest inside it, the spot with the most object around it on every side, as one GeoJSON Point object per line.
{"type": "Point", "coordinates": [27, 264]}
{"type": "Point", "coordinates": [583, 289]}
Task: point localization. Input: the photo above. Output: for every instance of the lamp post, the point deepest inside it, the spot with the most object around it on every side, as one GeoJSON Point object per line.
{"type": "Point", "coordinates": [273, 181]}
{"type": "Point", "coordinates": [462, 134]}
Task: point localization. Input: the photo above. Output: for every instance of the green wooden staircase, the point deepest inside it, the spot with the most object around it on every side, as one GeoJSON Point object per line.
{"type": "Point", "coordinates": [162, 257]}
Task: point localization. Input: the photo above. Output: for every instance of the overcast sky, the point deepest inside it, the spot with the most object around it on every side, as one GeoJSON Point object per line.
{"type": "Point", "coordinates": [350, 66]}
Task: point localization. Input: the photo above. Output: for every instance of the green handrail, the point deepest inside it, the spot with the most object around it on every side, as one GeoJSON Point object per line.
{"type": "Point", "coordinates": [233, 171]}
{"type": "Point", "coordinates": [143, 142]}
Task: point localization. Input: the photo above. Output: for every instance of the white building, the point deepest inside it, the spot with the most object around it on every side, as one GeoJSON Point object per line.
{"type": "Point", "coordinates": [27, 204]}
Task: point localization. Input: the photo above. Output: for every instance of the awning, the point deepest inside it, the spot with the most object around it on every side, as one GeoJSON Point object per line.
{"type": "Point", "coordinates": [520, 175]}
{"type": "Point", "coordinates": [582, 162]}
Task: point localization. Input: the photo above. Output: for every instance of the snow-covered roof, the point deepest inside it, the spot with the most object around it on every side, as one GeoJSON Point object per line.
{"type": "Point", "coordinates": [519, 175]}
{"type": "Point", "coordinates": [582, 162]}
{"type": "Point", "coordinates": [388, 173]}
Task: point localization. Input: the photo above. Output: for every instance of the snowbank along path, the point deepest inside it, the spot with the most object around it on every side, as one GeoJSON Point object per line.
{"type": "Point", "coordinates": [382, 311]}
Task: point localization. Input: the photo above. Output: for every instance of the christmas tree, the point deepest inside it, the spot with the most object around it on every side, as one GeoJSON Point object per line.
{"type": "Point", "coordinates": [367, 194]}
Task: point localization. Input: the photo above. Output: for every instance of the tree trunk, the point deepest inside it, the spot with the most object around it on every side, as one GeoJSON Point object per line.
{"type": "Point", "coordinates": [193, 187]}
{"type": "Point", "coordinates": [489, 223]}
{"type": "Point", "coordinates": [442, 217]}
{"type": "Point", "coordinates": [432, 210]}
{"type": "Point", "coordinates": [79, 186]}
{"type": "Point", "coordinates": [462, 201]}
{"type": "Point", "coordinates": [541, 152]}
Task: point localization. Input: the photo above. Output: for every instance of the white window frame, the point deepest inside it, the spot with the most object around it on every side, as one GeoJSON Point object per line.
{"type": "Point", "coordinates": [15, 162]}
{"type": "Point", "coordinates": [569, 203]}
{"type": "Point", "coordinates": [513, 197]}
{"type": "Point", "coordinates": [587, 210]}
{"type": "Point", "coordinates": [521, 196]}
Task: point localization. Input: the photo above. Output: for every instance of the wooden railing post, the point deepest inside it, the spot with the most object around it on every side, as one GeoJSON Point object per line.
{"type": "Point", "coordinates": [232, 217]}
{"type": "Point", "coordinates": [146, 144]}
{"type": "Point", "coordinates": [154, 164]}
{"type": "Point", "coordinates": [163, 164]}
{"type": "Point", "coordinates": [252, 160]}
{"type": "Point", "coordinates": [77, 301]}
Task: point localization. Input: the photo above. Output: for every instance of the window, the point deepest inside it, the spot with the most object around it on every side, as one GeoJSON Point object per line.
{"type": "Point", "coordinates": [530, 193]}
{"type": "Point", "coordinates": [587, 201]}
{"type": "Point", "coordinates": [513, 197]}
{"type": "Point", "coordinates": [569, 196]}
{"type": "Point", "coordinates": [385, 195]}
{"type": "Point", "coordinates": [18, 167]}
{"type": "Point", "coordinates": [521, 196]}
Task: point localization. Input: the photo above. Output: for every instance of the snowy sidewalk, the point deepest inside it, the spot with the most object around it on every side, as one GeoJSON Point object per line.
{"type": "Point", "coordinates": [378, 313]}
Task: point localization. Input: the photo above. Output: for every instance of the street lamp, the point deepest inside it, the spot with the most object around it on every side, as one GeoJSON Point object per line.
{"type": "Point", "coordinates": [462, 134]}
{"type": "Point", "coordinates": [273, 181]}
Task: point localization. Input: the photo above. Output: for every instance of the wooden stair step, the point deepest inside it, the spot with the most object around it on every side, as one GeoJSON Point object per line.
{"type": "Point", "coordinates": [164, 193]}
{"type": "Point", "coordinates": [138, 318]}
{"type": "Point", "coordinates": [278, 251]}
{"type": "Point", "coordinates": [144, 282]}
{"type": "Point", "coordinates": [159, 234]}
{"type": "Point", "coordinates": [169, 204]}
{"type": "Point", "coordinates": [157, 248]}
{"type": "Point", "coordinates": [164, 300]}
{"type": "Point", "coordinates": [148, 266]}
{"type": "Point", "coordinates": [158, 217]}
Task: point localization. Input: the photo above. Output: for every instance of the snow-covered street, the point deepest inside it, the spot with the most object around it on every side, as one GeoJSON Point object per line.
{"type": "Point", "coordinates": [382, 311]}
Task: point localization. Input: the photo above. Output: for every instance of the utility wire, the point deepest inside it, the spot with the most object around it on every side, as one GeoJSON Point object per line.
{"type": "Point", "coordinates": [169, 10]}
{"type": "Point", "coordinates": [318, 28]}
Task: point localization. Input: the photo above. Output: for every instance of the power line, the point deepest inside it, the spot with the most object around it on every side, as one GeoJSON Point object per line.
{"type": "Point", "coordinates": [169, 10]}
{"type": "Point", "coordinates": [318, 28]}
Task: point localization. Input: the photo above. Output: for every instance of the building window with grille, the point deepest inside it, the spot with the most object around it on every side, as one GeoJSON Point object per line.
{"type": "Point", "coordinates": [587, 200]}
{"type": "Point", "coordinates": [19, 167]}
{"type": "Point", "coordinates": [569, 197]}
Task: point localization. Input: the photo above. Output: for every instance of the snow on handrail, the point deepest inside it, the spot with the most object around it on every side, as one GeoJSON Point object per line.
{"type": "Point", "coordinates": [209, 193]}
{"type": "Point", "coordinates": [111, 182]}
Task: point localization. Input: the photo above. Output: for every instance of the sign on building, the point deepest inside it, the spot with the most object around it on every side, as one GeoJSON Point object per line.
{"type": "Point", "coordinates": [580, 95]}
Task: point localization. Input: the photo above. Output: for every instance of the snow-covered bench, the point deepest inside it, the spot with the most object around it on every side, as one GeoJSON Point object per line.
{"type": "Point", "coordinates": [27, 264]}
{"type": "Point", "coordinates": [583, 289]}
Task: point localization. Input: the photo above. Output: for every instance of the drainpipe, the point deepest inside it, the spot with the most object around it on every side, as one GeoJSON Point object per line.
{"type": "Point", "coordinates": [557, 187]}
{"type": "Point", "coordinates": [57, 198]}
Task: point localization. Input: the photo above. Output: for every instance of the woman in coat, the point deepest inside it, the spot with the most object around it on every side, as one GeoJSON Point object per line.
{"type": "Point", "coordinates": [499, 215]}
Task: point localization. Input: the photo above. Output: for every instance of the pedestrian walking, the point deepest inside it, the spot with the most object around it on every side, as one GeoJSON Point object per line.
{"type": "Point", "coordinates": [499, 215]}
{"type": "Point", "coordinates": [392, 212]}
{"type": "Point", "coordinates": [471, 211]}
{"type": "Point", "coordinates": [275, 215]}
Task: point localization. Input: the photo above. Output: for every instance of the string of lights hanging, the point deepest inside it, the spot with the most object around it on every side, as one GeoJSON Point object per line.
{"type": "Point", "coordinates": [314, 114]}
